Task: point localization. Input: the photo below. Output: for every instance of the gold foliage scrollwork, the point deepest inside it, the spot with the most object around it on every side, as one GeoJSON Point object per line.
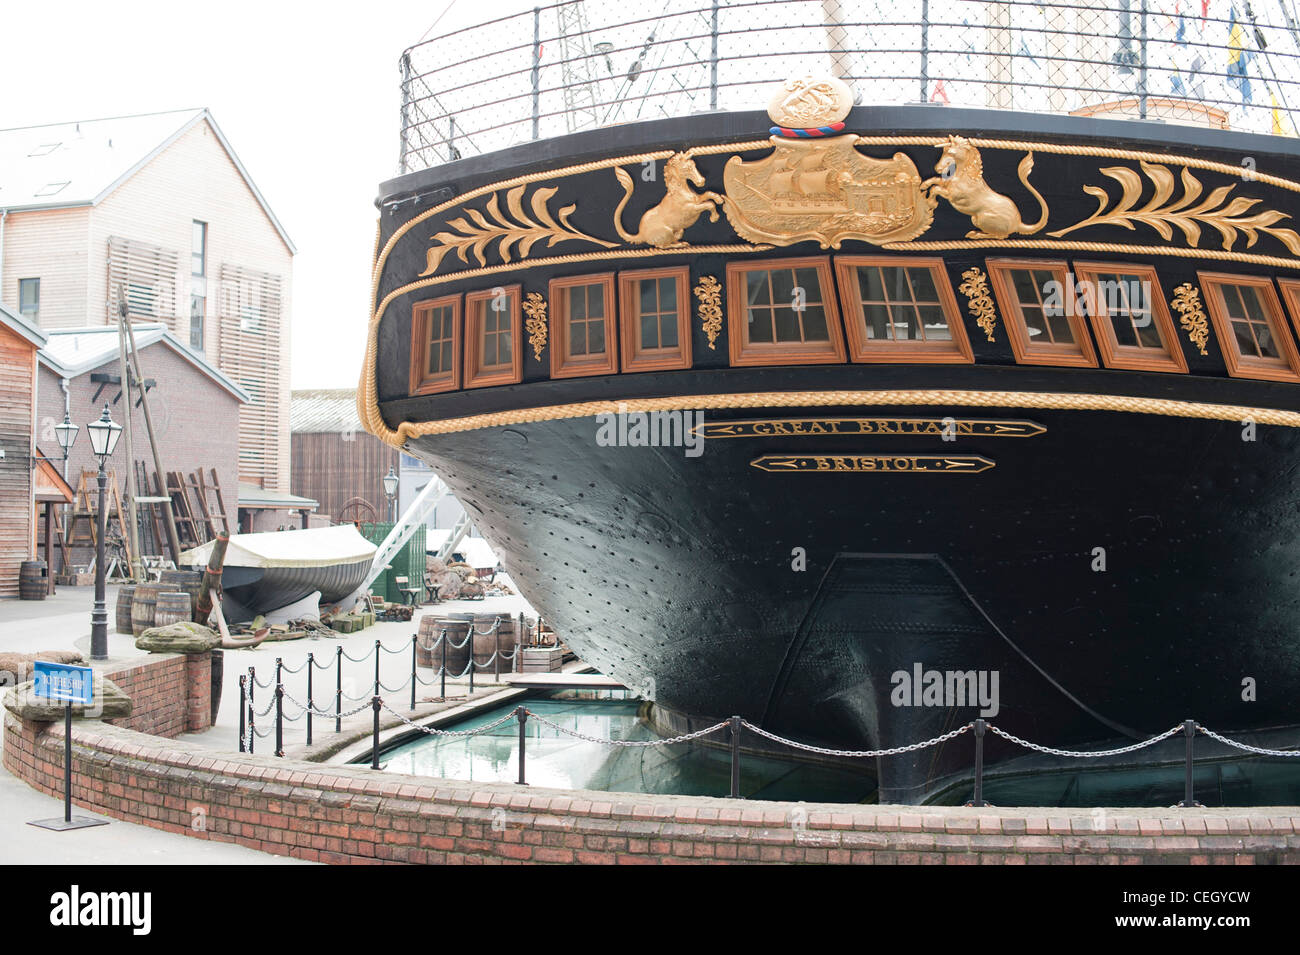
{"type": "Point", "coordinates": [1187, 302]}
{"type": "Point", "coordinates": [490, 224]}
{"type": "Point", "coordinates": [709, 292]}
{"type": "Point", "coordinates": [534, 307]}
{"type": "Point", "coordinates": [975, 286]}
{"type": "Point", "coordinates": [1226, 216]}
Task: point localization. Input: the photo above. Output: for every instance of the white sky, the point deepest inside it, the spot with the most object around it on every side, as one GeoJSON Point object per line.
{"type": "Point", "coordinates": [307, 93]}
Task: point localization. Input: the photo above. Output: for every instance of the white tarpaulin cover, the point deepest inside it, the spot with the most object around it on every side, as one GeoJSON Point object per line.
{"type": "Point", "coordinates": [314, 547]}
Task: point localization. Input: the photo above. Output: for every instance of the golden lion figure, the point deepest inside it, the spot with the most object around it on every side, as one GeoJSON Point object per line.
{"type": "Point", "coordinates": [663, 225]}
{"type": "Point", "coordinates": [961, 182]}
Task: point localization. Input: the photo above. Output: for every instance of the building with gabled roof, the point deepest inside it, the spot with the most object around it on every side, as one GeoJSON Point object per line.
{"type": "Point", "coordinates": [156, 210]}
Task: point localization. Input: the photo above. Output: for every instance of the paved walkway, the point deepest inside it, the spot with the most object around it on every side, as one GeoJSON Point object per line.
{"type": "Point", "coordinates": [63, 621]}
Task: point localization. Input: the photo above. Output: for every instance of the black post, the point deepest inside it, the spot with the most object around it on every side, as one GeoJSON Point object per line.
{"type": "Point", "coordinates": [99, 613]}
{"type": "Point", "coordinates": [279, 670]}
{"type": "Point", "coordinates": [537, 72]}
{"type": "Point", "coordinates": [252, 711]}
{"type": "Point", "coordinates": [338, 689]}
{"type": "Point", "coordinates": [311, 665]}
{"type": "Point", "coordinates": [374, 752]}
{"type": "Point", "coordinates": [67, 762]}
{"type": "Point", "coordinates": [735, 757]}
{"type": "Point", "coordinates": [980, 727]}
{"type": "Point", "coordinates": [1189, 796]}
{"type": "Point", "coordinates": [496, 652]}
{"type": "Point", "coordinates": [243, 710]}
{"type": "Point", "coordinates": [443, 640]}
{"type": "Point", "coordinates": [469, 645]}
{"type": "Point", "coordinates": [279, 719]}
{"type": "Point", "coordinates": [413, 680]}
{"type": "Point", "coordinates": [378, 654]}
{"type": "Point", "coordinates": [521, 715]}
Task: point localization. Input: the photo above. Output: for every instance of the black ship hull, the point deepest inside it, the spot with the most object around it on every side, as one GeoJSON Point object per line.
{"type": "Point", "coordinates": [678, 575]}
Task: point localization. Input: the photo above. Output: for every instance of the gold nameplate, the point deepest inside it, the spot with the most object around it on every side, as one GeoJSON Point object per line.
{"type": "Point", "coordinates": [875, 463]}
{"type": "Point", "coordinates": [822, 427]}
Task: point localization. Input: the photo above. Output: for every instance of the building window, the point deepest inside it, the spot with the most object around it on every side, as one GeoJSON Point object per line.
{"type": "Point", "coordinates": [492, 353]}
{"type": "Point", "coordinates": [900, 310]}
{"type": "Point", "coordinates": [582, 326]}
{"type": "Point", "coordinates": [1129, 315]}
{"type": "Point", "coordinates": [198, 309]}
{"type": "Point", "coordinates": [654, 307]}
{"type": "Point", "coordinates": [1291, 292]}
{"type": "Point", "coordinates": [1043, 312]}
{"type": "Point", "coordinates": [198, 283]}
{"type": "Point", "coordinates": [29, 299]}
{"type": "Point", "coordinates": [783, 312]}
{"type": "Point", "coordinates": [1248, 319]}
{"type": "Point", "coordinates": [435, 325]}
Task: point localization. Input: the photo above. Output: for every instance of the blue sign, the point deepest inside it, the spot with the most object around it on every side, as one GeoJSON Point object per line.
{"type": "Point", "coordinates": [63, 682]}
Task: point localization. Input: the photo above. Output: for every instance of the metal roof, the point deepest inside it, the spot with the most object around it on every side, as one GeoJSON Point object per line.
{"type": "Point", "coordinates": [252, 496]}
{"type": "Point", "coordinates": [70, 352]}
{"type": "Point", "coordinates": [324, 410]}
{"type": "Point", "coordinates": [62, 165]}
{"type": "Point", "coordinates": [19, 324]}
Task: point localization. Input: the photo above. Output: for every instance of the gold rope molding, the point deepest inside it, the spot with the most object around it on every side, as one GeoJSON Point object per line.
{"type": "Point", "coordinates": [814, 399]}
{"type": "Point", "coordinates": [1067, 245]}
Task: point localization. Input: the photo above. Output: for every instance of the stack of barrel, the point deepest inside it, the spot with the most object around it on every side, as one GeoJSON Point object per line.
{"type": "Point", "coordinates": [173, 599]}
{"type": "Point", "coordinates": [33, 580]}
{"type": "Point", "coordinates": [485, 642]}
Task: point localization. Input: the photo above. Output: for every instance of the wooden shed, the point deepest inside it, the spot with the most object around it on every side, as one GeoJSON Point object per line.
{"type": "Point", "coordinates": [19, 343]}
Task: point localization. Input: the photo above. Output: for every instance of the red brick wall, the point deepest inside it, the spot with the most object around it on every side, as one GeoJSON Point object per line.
{"type": "Point", "coordinates": [159, 688]}
{"type": "Point", "coordinates": [345, 814]}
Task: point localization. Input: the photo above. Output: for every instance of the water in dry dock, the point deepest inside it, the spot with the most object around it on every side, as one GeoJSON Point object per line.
{"type": "Point", "coordinates": [560, 761]}
{"type": "Point", "coordinates": [556, 760]}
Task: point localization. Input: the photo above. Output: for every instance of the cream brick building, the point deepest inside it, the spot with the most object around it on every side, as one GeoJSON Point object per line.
{"type": "Point", "coordinates": [156, 208]}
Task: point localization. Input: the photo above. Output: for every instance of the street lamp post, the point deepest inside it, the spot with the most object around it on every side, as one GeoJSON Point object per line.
{"type": "Point", "coordinates": [103, 439]}
{"type": "Point", "coordinates": [66, 433]}
{"type": "Point", "coordinates": [390, 489]}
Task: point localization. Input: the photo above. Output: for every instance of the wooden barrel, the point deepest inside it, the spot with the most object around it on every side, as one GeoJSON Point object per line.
{"type": "Point", "coordinates": [187, 581]}
{"type": "Point", "coordinates": [428, 652]}
{"type": "Point", "coordinates": [218, 671]}
{"type": "Point", "coordinates": [125, 595]}
{"type": "Point", "coordinates": [487, 641]}
{"type": "Point", "coordinates": [33, 580]}
{"type": "Point", "coordinates": [144, 603]}
{"type": "Point", "coordinates": [172, 607]}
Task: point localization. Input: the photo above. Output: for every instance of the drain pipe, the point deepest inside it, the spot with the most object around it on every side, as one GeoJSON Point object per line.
{"type": "Point", "coordinates": [4, 214]}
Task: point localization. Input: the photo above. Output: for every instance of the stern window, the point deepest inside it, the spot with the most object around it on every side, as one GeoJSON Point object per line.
{"type": "Point", "coordinates": [582, 326]}
{"type": "Point", "coordinates": [1042, 311]}
{"type": "Point", "coordinates": [1130, 317]}
{"type": "Point", "coordinates": [783, 312]}
{"type": "Point", "coordinates": [655, 319]}
{"type": "Point", "coordinates": [900, 310]}
{"type": "Point", "coordinates": [1251, 328]}
{"type": "Point", "coordinates": [492, 354]}
{"type": "Point", "coordinates": [435, 325]}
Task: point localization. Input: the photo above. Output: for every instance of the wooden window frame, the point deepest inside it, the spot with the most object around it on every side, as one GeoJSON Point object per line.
{"type": "Point", "coordinates": [1131, 357]}
{"type": "Point", "coordinates": [564, 365]}
{"type": "Point", "coordinates": [742, 353]}
{"type": "Point", "coordinates": [421, 383]}
{"type": "Point", "coordinates": [475, 375]}
{"type": "Point", "coordinates": [1022, 344]}
{"type": "Point", "coordinates": [863, 349]}
{"type": "Point", "coordinates": [1286, 368]}
{"type": "Point", "coordinates": [660, 359]}
{"type": "Point", "coordinates": [1291, 296]}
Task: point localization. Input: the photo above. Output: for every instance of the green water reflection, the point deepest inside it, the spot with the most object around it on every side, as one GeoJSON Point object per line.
{"type": "Point", "coordinates": [560, 761]}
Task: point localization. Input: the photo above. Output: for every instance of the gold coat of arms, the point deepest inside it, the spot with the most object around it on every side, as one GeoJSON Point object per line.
{"type": "Point", "coordinates": [825, 189]}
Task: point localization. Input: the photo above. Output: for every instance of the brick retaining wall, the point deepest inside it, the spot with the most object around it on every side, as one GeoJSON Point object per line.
{"type": "Point", "coordinates": [346, 814]}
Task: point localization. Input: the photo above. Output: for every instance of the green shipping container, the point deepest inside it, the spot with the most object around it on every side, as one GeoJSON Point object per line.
{"type": "Point", "coordinates": [408, 563]}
